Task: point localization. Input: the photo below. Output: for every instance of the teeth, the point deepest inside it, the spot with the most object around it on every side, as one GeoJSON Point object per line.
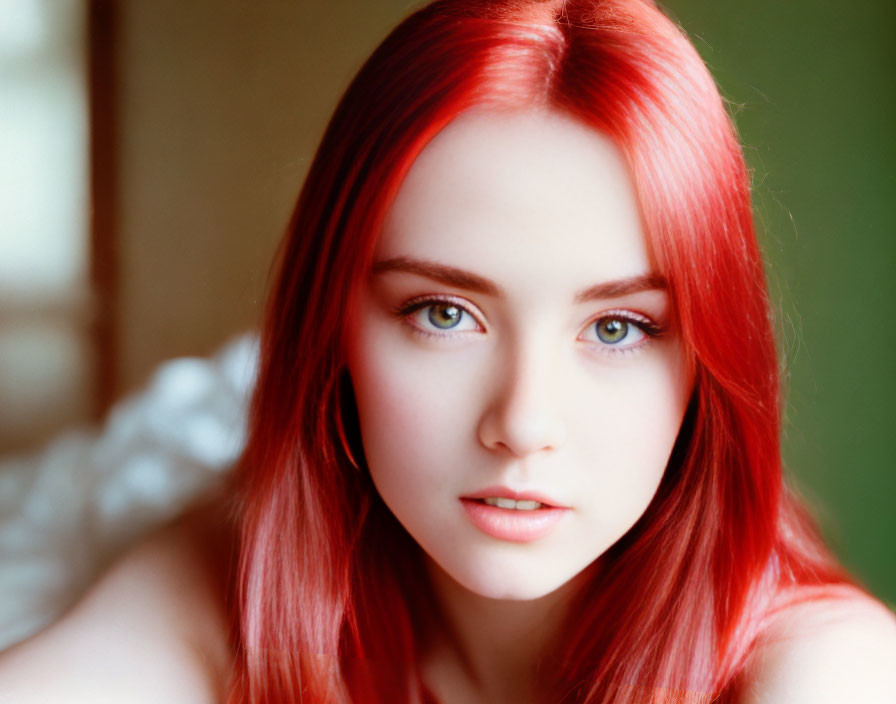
{"type": "Point", "coordinates": [501, 502]}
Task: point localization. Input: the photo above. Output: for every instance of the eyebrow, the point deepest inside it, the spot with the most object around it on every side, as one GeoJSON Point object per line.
{"type": "Point", "coordinates": [460, 278]}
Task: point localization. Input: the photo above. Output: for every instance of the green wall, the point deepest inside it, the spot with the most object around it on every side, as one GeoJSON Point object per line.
{"type": "Point", "coordinates": [811, 87]}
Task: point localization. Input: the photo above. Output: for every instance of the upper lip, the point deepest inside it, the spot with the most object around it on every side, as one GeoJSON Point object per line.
{"type": "Point", "coordinates": [504, 492]}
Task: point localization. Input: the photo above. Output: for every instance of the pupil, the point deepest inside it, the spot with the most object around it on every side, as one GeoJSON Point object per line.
{"type": "Point", "coordinates": [612, 330]}
{"type": "Point", "coordinates": [444, 316]}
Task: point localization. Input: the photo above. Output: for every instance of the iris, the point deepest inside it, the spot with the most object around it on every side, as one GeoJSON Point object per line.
{"type": "Point", "coordinates": [444, 316]}
{"type": "Point", "coordinates": [612, 330]}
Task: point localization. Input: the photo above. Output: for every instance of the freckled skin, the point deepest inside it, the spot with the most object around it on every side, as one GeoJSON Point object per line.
{"type": "Point", "coordinates": [520, 391]}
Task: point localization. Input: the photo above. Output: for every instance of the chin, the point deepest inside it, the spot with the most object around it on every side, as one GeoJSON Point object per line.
{"type": "Point", "coordinates": [496, 582]}
{"type": "Point", "coordinates": [521, 592]}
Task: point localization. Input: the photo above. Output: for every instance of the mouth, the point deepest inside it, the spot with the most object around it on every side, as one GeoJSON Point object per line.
{"type": "Point", "coordinates": [520, 519]}
{"type": "Point", "coordinates": [509, 499]}
{"type": "Point", "coordinates": [501, 502]}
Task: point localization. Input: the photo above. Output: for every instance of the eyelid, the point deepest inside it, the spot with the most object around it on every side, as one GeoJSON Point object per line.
{"type": "Point", "coordinates": [645, 324]}
{"type": "Point", "coordinates": [407, 308]}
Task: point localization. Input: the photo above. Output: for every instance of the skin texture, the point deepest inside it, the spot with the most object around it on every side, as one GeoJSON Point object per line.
{"type": "Point", "coordinates": [152, 629]}
{"type": "Point", "coordinates": [826, 652]}
{"type": "Point", "coordinates": [520, 390]}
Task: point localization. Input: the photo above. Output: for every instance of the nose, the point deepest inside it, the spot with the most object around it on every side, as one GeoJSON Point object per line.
{"type": "Point", "coordinates": [523, 415]}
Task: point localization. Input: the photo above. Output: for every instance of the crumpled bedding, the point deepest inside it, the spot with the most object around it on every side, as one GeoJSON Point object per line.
{"type": "Point", "coordinates": [66, 511]}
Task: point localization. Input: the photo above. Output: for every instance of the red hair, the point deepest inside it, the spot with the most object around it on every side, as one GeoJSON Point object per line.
{"type": "Point", "coordinates": [329, 602]}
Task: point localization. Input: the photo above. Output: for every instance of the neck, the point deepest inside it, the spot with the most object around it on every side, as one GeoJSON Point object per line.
{"type": "Point", "coordinates": [491, 647]}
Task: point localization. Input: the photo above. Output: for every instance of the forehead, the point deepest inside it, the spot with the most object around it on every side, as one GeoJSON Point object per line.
{"type": "Point", "coordinates": [523, 197]}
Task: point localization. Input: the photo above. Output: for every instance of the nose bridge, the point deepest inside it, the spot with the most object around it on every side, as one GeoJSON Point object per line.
{"type": "Point", "coordinates": [524, 413]}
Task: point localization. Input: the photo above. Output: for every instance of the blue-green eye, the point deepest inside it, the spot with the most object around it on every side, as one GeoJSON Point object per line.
{"type": "Point", "coordinates": [434, 316]}
{"type": "Point", "coordinates": [620, 331]}
{"type": "Point", "coordinates": [445, 315]}
{"type": "Point", "coordinates": [612, 330]}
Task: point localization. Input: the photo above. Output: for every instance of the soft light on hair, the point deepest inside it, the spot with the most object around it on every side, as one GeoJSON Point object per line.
{"type": "Point", "coordinates": [330, 599]}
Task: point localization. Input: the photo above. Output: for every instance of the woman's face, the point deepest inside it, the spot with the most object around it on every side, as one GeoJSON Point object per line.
{"type": "Point", "coordinates": [519, 379]}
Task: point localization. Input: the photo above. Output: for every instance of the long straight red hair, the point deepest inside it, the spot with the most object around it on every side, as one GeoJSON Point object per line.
{"type": "Point", "coordinates": [329, 602]}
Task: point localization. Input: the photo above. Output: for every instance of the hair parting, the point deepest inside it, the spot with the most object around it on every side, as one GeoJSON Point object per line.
{"type": "Point", "coordinates": [330, 602]}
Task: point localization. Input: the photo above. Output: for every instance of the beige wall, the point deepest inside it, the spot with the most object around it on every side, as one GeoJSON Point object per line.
{"type": "Point", "coordinates": [221, 105]}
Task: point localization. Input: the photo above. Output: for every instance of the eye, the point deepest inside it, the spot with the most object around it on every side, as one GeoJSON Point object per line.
{"type": "Point", "coordinates": [438, 316]}
{"type": "Point", "coordinates": [613, 331]}
{"type": "Point", "coordinates": [620, 331]}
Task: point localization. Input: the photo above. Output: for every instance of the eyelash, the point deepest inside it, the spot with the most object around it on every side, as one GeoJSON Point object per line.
{"type": "Point", "coordinates": [644, 324]}
{"type": "Point", "coordinates": [405, 310]}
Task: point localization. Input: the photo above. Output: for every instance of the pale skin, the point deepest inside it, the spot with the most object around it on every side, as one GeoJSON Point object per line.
{"type": "Point", "coordinates": [520, 387]}
{"type": "Point", "coordinates": [532, 216]}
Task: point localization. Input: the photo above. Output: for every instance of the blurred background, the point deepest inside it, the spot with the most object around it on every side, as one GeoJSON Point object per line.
{"type": "Point", "coordinates": [150, 153]}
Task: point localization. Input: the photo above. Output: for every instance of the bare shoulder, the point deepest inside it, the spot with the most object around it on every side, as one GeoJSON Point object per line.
{"type": "Point", "coordinates": [152, 629]}
{"type": "Point", "coordinates": [826, 652]}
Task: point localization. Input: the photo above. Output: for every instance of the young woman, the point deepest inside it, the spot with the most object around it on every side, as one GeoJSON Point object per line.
{"type": "Point", "coordinates": [515, 437]}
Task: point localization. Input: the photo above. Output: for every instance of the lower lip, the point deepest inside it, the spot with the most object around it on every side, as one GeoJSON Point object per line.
{"type": "Point", "coordinates": [512, 524]}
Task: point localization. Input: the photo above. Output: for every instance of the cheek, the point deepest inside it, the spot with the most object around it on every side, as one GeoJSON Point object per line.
{"type": "Point", "coordinates": [413, 416]}
{"type": "Point", "coordinates": [419, 408]}
{"type": "Point", "coordinates": [625, 427]}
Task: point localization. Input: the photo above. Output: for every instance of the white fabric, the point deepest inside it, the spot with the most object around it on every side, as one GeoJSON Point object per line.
{"type": "Point", "coordinates": [66, 511]}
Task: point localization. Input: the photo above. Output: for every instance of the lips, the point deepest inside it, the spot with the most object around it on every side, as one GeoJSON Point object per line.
{"type": "Point", "coordinates": [503, 492]}
{"type": "Point", "coordinates": [519, 523]}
